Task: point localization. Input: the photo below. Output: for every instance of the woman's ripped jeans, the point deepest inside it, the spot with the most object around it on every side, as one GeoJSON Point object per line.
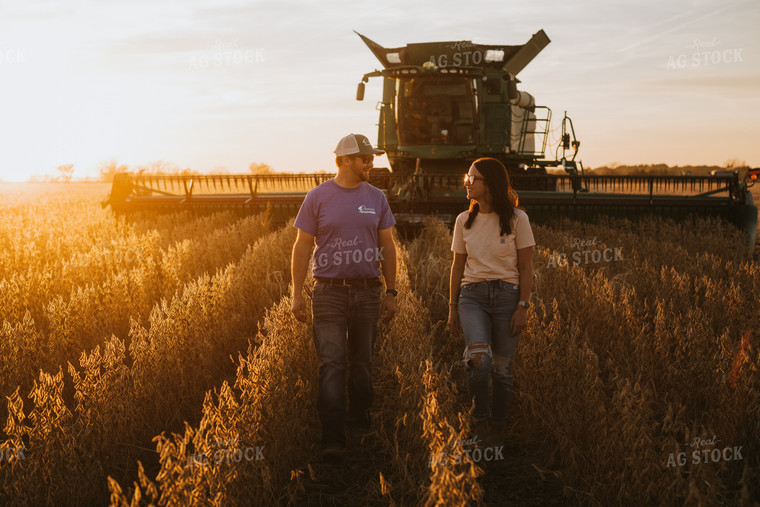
{"type": "Point", "coordinates": [485, 312]}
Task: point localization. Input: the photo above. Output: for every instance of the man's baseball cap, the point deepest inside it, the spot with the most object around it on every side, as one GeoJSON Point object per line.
{"type": "Point", "coordinates": [356, 144]}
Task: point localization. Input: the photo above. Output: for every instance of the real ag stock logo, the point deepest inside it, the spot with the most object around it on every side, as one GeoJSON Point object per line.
{"type": "Point", "coordinates": [110, 256]}
{"type": "Point", "coordinates": [704, 451]}
{"type": "Point", "coordinates": [225, 53]}
{"type": "Point", "coordinates": [11, 454]}
{"type": "Point", "coordinates": [705, 54]}
{"type": "Point", "coordinates": [345, 252]}
{"type": "Point", "coordinates": [12, 56]}
{"type": "Point", "coordinates": [226, 451]}
{"type": "Point", "coordinates": [470, 448]}
{"type": "Point", "coordinates": [585, 251]}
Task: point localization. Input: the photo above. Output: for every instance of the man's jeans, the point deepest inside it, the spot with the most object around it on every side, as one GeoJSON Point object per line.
{"type": "Point", "coordinates": [485, 311]}
{"type": "Point", "coordinates": [339, 311]}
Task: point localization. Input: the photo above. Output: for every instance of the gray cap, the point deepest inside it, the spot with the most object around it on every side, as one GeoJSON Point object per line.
{"type": "Point", "coordinates": [356, 144]}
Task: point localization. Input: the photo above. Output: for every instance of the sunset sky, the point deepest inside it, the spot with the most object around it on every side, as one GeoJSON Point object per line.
{"type": "Point", "coordinates": [219, 85]}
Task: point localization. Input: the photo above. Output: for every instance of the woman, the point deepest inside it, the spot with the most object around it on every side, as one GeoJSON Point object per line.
{"type": "Point", "coordinates": [489, 289]}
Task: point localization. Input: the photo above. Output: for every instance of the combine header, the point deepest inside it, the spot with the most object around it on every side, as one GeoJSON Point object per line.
{"type": "Point", "coordinates": [444, 105]}
{"type": "Point", "coordinates": [280, 195]}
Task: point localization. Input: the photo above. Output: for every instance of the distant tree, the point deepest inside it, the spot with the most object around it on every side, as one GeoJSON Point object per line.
{"type": "Point", "coordinates": [66, 171]}
{"type": "Point", "coordinates": [161, 167]}
{"type": "Point", "coordinates": [108, 169]}
{"type": "Point", "coordinates": [735, 163]}
{"type": "Point", "coordinates": [261, 168]}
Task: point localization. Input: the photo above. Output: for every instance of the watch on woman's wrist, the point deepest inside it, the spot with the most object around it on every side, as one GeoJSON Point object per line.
{"type": "Point", "coordinates": [392, 292]}
{"type": "Point", "coordinates": [524, 304]}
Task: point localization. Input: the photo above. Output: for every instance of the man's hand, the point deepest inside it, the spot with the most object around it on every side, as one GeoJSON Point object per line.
{"type": "Point", "coordinates": [453, 325]}
{"type": "Point", "coordinates": [299, 307]}
{"type": "Point", "coordinates": [519, 320]}
{"type": "Point", "coordinates": [388, 307]}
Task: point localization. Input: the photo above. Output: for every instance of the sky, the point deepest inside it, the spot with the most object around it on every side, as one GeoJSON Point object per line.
{"type": "Point", "coordinates": [220, 85]}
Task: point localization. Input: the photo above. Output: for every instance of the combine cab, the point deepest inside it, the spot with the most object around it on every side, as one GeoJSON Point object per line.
{"type": "Point", "coordinates": [444, 105]}
{"type": "Point", "coordinates": [447, 103]}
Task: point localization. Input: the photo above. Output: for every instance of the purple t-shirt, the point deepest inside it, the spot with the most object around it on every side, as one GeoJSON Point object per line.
{"type": "Point", "coordinates": [345, 222]}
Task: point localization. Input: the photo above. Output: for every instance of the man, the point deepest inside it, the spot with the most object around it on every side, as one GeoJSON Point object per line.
{"type": "Point", "coordinates": [352, 225]}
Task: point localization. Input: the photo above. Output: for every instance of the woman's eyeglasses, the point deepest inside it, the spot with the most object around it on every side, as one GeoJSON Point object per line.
{"type": "Point", "coordinates": [469, 179]}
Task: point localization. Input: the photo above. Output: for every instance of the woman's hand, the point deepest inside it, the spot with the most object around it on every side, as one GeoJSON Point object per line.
{"type": "Point", "coordinates": [519, 320]}
{"type": "Point", "coordinates": [453, 324]}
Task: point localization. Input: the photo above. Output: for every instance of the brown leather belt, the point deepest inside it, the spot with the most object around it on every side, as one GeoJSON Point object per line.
{"type": "Point", "coordinates": [353, 282]}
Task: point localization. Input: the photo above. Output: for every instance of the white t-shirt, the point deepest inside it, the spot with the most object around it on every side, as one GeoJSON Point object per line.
{"type": "Point", "coordinates": [491, 256]}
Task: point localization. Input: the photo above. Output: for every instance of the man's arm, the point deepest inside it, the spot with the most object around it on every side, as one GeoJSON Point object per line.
{"type": "Point", "coordinates": [387, 256]}
{"type": "Point", "coordinates": [299, 263]}
{"type": "Point", "coordinates": [388, 262]}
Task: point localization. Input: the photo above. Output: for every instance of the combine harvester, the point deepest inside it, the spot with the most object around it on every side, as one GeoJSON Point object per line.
{"type": "Point", "coordinates": [445, 104]}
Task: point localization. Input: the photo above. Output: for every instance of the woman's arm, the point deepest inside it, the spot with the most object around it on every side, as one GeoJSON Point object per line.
{"type": "Point", "coordinates": [525, 267]}
{"type": "Point", "coordinates": [455, 279]}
